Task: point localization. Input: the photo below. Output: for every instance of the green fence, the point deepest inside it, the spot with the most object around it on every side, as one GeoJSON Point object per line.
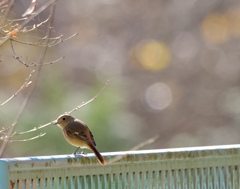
{"type": "Point", "coordinates": [213, 167]}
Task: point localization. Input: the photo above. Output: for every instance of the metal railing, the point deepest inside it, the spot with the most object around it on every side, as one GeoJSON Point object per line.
{"type": "Point", "coordinates": [213, 167]}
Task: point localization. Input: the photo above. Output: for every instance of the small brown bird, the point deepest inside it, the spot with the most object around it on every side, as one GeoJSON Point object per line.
{"type": "Point", "coordinates": [78, 134]}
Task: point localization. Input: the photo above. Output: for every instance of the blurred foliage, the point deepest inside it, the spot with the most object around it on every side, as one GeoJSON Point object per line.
{"type": "Point", "coordinates": [173, 68]}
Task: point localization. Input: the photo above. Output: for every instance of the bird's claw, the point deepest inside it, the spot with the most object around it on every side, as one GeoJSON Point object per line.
{"type": "Point", "coordinates": [77, 153]}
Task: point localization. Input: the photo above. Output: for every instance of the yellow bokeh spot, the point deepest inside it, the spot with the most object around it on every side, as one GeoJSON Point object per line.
{"type": "Point", "coordinates": [233, 16]}
{"type": "Point", "coordinates": [152, 55]}
{"type": "Point", "coordinates": [215, 28]}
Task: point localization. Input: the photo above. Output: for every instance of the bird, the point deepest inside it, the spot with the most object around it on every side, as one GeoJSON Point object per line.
{"type": "Point", "coordinates": [77, 133]}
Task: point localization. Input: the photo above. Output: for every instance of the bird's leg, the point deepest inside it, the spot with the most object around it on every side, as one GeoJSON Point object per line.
{"type": "Point", "coordinates": [76, 151]}
{"type": "Point", "coordinates": [82, 153]}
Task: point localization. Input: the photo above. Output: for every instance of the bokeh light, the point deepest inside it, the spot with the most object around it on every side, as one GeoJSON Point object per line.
{"type": "Point", "coordinates": [215, 28]}
{"type": "Point", "coordinates": [229, 102]}
{"type": "Point", "coordinates": [158, 96]}
{"type": "Point", "coordinates": [185, 46]}
{"type": "Point", "coordinates": [152, 55]}
{"type": "Point", "coordinates": [219, 63]}
{"type": "Point", "coordinates": [233, 15]}
{"type": "Point", "coordinates": [218, 28]}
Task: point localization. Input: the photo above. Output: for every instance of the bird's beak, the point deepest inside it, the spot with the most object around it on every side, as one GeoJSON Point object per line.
{"type": "Point", "coordinates": [55, 122]}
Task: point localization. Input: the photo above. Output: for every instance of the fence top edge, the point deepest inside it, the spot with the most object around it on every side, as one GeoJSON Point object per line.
{"type": "Point", "coordinates": [162, 152]}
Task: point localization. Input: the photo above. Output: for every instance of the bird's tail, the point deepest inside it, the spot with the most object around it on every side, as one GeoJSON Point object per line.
{"type": "Point", "coordinates": [98, 155]}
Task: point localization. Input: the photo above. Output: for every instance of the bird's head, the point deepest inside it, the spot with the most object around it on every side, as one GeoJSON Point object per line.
{"type": "Point", "coordinates": [63, 120]}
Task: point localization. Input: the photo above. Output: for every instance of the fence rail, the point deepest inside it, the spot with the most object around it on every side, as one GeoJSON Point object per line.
{"type": "Point", "coordinates": [212, 167]}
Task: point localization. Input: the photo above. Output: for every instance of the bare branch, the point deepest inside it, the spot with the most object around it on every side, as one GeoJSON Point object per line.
{"type": "Point", "coordinates": [25, 85]}
{"type": "Point", "coordinates": [24, 23]}
{"type": "Point", "coordinates": [30, 9]}
{"type": "Point", "coordinates": [69, 112]}
{"type": "Point", "coordinates": [35, 26]}
{"type": "Point", "coordinates": [44, 64]}
{"type": "Point", "coordinates": [25, 140]}
{"type": "Point", "coordinates": [5, 26]}
{"type": "Point", "coordinates": [62, 40]}
{"type": "Point", "coordinates": [145, 143]}
{"type": "Point", "coordinates": [18, 58]}
{"type": "Point", "coordinates": [35, 128]}
{"type": "Point", "coordinates": [92, 99]}
{"type": "Point", "coordinates": [3, 4]}
{"type": "Point", "coordinates": [9, 25]}
{"type": "Point", "coordinates": [42, 56]}
{"type": "Point", "coordinates": [16, 20]}
{"type": "Point", "coordinates": [55, 41]}
{"type": "Point", "coordinates": [2, 21]}
{"type": "Point", "coordinates": [6, 128]}
{"type": "Point", "coordinates": [137, 147]}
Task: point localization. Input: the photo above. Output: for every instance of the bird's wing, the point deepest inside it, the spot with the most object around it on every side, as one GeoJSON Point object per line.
{"type": "Point", "coordinates": [91, 136]}
{"type": "Point", "coordinates": [79, 131]}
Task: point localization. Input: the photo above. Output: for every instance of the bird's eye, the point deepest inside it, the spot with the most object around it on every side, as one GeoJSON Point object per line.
{"type": "Point", "coordinates": [64, 118]}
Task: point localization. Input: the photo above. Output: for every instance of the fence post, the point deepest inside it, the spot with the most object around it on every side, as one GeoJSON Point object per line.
{"type": "Point", "coordinates": [4, 175]}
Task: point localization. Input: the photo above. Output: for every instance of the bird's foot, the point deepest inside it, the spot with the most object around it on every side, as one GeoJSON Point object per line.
{"type": "Point", "coordinates": [77, 153]}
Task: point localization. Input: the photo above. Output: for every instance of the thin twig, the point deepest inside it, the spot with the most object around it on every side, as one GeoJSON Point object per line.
{"type": "Point", "coordinates": [35, 128]}
{"type": "Point", "coordinates": [18, 58]}
{"type": "Point", "coordinates": [42, 56]}
{"type": "Point", "coordinates": [16, 20]}
{"type": "Point", "coordinates": [63, 40]}
{"type": "Point", "coordinates": [3, 4]}
{"type": "Point", "coordinates": [69, 112]}
{"type": "Point", "coordinates": [24, 30]}
{"type": "Point", "coordinates": [44, 64]}
{"type": "Point", "coordinates": [92, 99]}
{"type": "Point", "coordinates": [5, 26]}
{"type": "Point", "coordinates": [25, 85]}
{"type": "Point", "coordinates": [24, 23]}
{"type": "Point", "coordinates": [6, 128]}
{"type": "Point", "coordinates": [25, 140]}
{"type": "Point", "coordinates": [55, 41]}
{"type": "Point", "coordinates": [145, 143]}
{"type": "Point", "coordinates": [137, 147]}
{"type": "Point", "coordinates": [2, 21]}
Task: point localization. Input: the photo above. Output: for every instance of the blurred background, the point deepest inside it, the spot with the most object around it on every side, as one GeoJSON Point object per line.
{"type": "Point", "coordinates": [173, 69]}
